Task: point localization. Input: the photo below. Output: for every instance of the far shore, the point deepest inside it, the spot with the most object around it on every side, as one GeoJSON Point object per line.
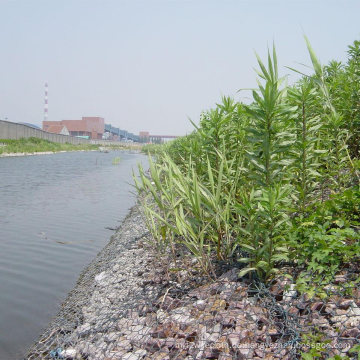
{"type": "Point", "coordinates": [35, 146]}
{"type": "Point", "coordinates": [40, 153]}
{"type": "Point", "coordinates": [5, 155]}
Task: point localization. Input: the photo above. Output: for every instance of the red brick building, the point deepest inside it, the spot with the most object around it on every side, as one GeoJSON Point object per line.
{"type": "Point", "coordinates": [92, 126]}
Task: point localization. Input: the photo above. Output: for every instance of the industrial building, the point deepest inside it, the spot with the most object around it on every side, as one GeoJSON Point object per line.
{"type": "Point", "coordinates": [115, 133]}
{"type": "Point", "coordinates": [146, 137]}
{"type": "Point", "coordinates": [58, 129]}
{"type": "Point", "coordinates": [90, 127]}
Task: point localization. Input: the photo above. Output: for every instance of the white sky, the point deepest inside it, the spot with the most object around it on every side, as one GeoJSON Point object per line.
{"type": "Point", "coordinates": [149, 65]}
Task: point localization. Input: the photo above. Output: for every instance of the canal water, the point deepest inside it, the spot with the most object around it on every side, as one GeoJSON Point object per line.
{"type": "Point", "coordinates": [54, 210]}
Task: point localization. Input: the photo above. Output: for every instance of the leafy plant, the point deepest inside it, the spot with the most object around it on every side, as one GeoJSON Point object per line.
{"type": "Point", "coordinates": [306, 154]}
{"type": "Point", "coordinates": [262, 237]}
{"type": "Point", "coordinates": [257, 181]}
{"type": "Point", "coordinates": [328, 238]}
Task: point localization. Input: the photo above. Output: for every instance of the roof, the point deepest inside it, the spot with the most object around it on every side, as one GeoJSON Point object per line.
{"type": "Point", "coordinates": [31, 125]}
{"type": "Point", "coordinates": [55, 129]}
{"type": "Point", "coordinates": [88, 124]}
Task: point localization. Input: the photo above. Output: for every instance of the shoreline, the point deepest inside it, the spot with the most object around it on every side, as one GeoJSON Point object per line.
{"type": "Point", "coordinates": [6, 155]}
{"type": "Point", "coordinates": [127, 305]}
{"type": "Point", "coordinates": [118, 263]}
{"type": "Point", "coordinates": [41, 153]}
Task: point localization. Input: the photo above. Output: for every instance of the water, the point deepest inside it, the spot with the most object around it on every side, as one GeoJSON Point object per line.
{"type": "Point", "coordinates": [53, 214]}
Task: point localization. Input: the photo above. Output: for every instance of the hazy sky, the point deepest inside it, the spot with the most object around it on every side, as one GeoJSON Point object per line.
{"type": "Point", "coordinates": [149, 65]}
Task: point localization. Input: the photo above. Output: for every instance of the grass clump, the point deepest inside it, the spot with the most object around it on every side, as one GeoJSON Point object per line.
{"type": "Point", "coordinates": [266, 184]}
{"type": "Point", "coordinates": [34, 145]}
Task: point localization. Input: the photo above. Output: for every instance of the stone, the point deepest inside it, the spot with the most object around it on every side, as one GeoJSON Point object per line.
{"type": "Point", "coordinates": [352, 333]}
{"type": "Point", "coordinates": [86, 348]}
{"type": "Point", "coordinates": [112, 336]}
{"type": "Point", "coordinates": [200, 305]}
{"type": "Point", "coordinates": [211, 338]}
{"type": "Point", "coordinates": [224, 356]}
{"type": "Point", "coordinates": [180, 344]}
{"type": "Point", "coordinates": [84, 330]}
{"type": "Point", "coordinates": [150, 319]}
{"type": "Point", "coordinates": [123, 324]}
{"type": "Point", "coordinates": [99, 278]}
{"type": "Point", "coordinates": [138, 333]}
{"type": "Point", "coordinates": [137, 355]}
{"type": "Point", "coordinates": [222, 344]}
{"type": "Point", "coordinates": [340, 279]}
{"type": "Point", "coordinates": [69, 353]}
{"type": "Point", "coordinates": [199, 293]}
{"type": "Point", "coordinates": [115, 355]}
{"type": "Point", "coordinates": [234, 340]}
{"type": "Point", "coordinates": [293, 311]}
{"type": "Point", "coordinates": [317, 306]}
{"type": "Point", "coordinates": [329, 309]}
{"type": "Point", "coordinates": [210, 353]}
{"type": "Point", "coordinates": [152, 344]}
{"type": "Point", "coordinates": [160, 355]}
{"type": "Point", "coordinates": [231, 275]}
{"type": "Point", "coordinates": [259, 352]}
{"type": "Point", "coordinates": [161, 316]}
{"type": "Point", "coordinates": [321, 323]}
{"type": "Point", "coordinates": [123, 344]}
{"type": "Point", "coordinates": [236, 305]}
{"type": "Point", "coordinates": [345, 304]}
{"type": "Point", "coordinates": [218, 305]}
{"type": "Point", "coordinates": [170, 343]}
{"type": "Point", "coordinates": [340, 312]}
{"type": "Point", "coordinates": [168, 303]}
{"type": "Point", "coordinates": [245, 352]}
{"type": "Point", "coordinates": [182, 317]}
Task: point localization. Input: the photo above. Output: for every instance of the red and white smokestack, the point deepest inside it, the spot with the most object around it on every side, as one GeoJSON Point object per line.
{"type": "Point", "coordinates": [46, 105]}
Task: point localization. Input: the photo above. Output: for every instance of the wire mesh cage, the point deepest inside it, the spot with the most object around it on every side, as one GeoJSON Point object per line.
{"type": "Point", "coordinates": [128, 306]}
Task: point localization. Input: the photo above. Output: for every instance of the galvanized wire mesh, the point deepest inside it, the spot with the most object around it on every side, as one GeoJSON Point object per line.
{"type": "Point", "coordinates": [130, 305]}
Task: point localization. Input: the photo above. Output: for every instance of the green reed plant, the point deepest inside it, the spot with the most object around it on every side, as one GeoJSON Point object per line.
{"type": "Point", "coordinates": [265, 210]}
{"type": "Point", "coordinates": [336, 135]}
{"type": "Point", "coordinates": [305, 150]}
{"type": "Point", "coordinates": [343, 82]}
{"type": "Point", "coordinates": [185, 207]}
{"type": "Point", "coordinates": [262, 234]}
{"type": "Point", "coordinates": [269, 127]}
{"type": "Point", "coordinates": [245, 178]}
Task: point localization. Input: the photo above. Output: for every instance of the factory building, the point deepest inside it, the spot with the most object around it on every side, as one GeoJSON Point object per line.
{"type": "Point", "coordinates": [89, 126]}
{"type": "Point", "coordinates": [58, 129]}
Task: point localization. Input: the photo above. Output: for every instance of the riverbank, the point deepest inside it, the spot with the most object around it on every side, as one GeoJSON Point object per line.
{"type": "Point", "coordinates": [131, 304]}
{"type": "Point", "coordinates": [106, 290]}
{"type": "Point", "coordinates": [38, 153]}
{"type": "Point", "coordinates": [35, 146]}
{"type": "Point", "coordinates": [5, 155]}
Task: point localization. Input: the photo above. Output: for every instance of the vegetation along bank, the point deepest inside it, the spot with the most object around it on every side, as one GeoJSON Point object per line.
{"type": "Point", "coordinates": [246, 244]}
{"type": "Point", "coordinates": [33, 146]}
{"type": "Point", "coordinates": [272, 188]}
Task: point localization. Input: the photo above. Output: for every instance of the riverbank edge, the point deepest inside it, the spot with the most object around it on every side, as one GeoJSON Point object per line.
{"type": "Point", "coordinates": [5, 155]}
{"type": "Point", "coordinates": [129, 236]}
{"type": "Point", "coordinates": [125, 305]}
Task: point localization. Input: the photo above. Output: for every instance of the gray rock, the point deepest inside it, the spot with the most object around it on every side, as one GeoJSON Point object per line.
{"type": "Point", "coordinates": [137, 355]}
